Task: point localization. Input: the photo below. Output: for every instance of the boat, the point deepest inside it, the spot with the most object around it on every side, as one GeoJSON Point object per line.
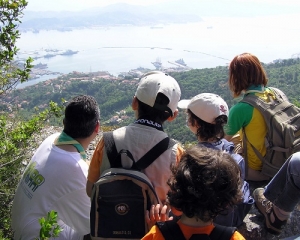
{"type": "Point", "coordinates": [181, 62]}
{"type": "Point", "coordinates": [157, 64]}
{"type": "Point", "coordinates": [69, 52]}
{"type": "Point", "coordinates": [41, 65]}
{"type": "Point", "coordinates": [49, 55]}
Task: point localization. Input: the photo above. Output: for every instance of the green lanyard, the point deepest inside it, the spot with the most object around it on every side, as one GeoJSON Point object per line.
{"type": "Point", "coordinates": [65, 139]}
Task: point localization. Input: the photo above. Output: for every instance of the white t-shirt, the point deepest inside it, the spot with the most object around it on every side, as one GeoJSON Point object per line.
{"type": "Point", "coordinates": [54, 180]}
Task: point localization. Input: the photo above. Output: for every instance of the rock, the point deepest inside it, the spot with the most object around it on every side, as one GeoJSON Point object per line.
{"type": "Point", "coordinates": [253, 226]}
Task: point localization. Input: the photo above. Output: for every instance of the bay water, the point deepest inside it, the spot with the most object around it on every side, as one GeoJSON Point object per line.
{"type": "Point", "coordinates": [210, 43]}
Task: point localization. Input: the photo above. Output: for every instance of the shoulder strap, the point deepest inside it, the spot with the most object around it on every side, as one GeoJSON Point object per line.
{"type": "Point", "coordinates": [111, 150]}
{"type": "Point", "coordinates": [153, 154]}
{"type": "Point", "coordinates": [222, 232]}
{"type": "Point", "coordinates": [170, 230]}
{"type": "Point", "coordinates": [115, 158]}
{"type": "Point", "coordinates": [228, 146]}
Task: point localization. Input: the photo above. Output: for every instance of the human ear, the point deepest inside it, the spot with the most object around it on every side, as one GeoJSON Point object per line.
{"type": "Point", "coordinates": [171, 118]}
{"type": "Point", "coordinates": [134, 103]}
{"type": "Point", "coordinates": [97, 128]}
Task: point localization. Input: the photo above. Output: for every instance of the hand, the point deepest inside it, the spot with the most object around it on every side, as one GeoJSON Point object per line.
{"type": "Point", "coordinates": [157, 214]}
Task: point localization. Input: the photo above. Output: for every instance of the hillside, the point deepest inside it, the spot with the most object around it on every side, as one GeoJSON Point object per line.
{"type": "Point", "coordinates": [114, 95]}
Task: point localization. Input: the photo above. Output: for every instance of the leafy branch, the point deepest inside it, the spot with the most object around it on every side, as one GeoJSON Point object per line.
{"type": "Point", "coordinates": [49, 226]}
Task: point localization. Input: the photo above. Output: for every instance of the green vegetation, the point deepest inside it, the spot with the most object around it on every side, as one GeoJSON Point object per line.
{"type": "Point", "coordinates": [49, 226]}
{"type": "Point", "coordinates": [114, 96]}
{"type": "Point", "coordinates": [16, 134]}
{"type": "Point", "coordinates": [10, 14]}
{"type": "Point", "coordinates": [24, 112]}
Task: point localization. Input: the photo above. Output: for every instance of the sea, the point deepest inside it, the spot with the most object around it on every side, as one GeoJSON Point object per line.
{"type": "Point", "coordinates": [207, 44]}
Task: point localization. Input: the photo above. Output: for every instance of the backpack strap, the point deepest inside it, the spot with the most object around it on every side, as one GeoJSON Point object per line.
{"type": "Point", "coordinates": [228, 146]}
{"type": "Point", "coordinates": [153, 154]}
{"type": "Point", "coordinates": [111, 150]}
{"type": "Point", "coordinates": [222, 232]}
{"type": "Point", "coordinates": [170, 230]}
{"type": "Point", "coordinates": [115, 158]}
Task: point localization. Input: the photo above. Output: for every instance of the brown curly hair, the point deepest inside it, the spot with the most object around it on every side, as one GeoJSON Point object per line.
{"type": "Point", "coordinates": [245, 70]}
{"type": "Point", "coordinates": [204, 183]}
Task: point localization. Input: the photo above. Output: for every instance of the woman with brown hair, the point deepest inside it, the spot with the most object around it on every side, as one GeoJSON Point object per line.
{"type": "Point", "coordinates": [247, 76]}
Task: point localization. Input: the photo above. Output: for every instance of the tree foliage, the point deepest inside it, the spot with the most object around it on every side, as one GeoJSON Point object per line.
{"type": "Point", "coordinates": [114, 96]}
{"type": "Point", "coordinates": [16, 134]}
{"type": "Point", "coordinates": [11, 73]}
{"type": "Point", "coordinates": [49, 226]}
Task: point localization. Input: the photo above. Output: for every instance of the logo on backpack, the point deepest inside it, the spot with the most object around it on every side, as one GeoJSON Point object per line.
{"type": "Point", "coordinates": [122, 209]}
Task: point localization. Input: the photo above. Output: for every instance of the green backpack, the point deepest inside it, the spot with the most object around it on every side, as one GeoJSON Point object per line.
{"type": "Point", "coordinates": [283, 130]}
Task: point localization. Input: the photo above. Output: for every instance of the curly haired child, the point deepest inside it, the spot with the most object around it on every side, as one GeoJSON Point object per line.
{"type": "Point", "coordinates": [204, 183]}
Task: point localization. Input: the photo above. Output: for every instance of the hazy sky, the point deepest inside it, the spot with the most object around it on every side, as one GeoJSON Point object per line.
{"type": "Point", "coordinates": [81, 4]}
{"type": "Point", "coordinates": [74, 5]}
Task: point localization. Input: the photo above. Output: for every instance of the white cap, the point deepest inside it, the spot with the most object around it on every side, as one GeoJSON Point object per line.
{"type": "Point", "coordinates": [206, 106]}
{"type": "Point", "coordinates": [155, 82]}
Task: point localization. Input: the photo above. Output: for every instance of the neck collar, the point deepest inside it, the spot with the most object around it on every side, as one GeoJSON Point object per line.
{"type": "Point", "coordinates": [65, 139]}
{"type": "Point", "coordinates": [251, 89]}
{"type": "Point", "coordinates": [149, 123]}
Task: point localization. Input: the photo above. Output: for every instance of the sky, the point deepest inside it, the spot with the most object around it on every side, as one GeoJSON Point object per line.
{"type": "Point", "coordinates": [76, 5]}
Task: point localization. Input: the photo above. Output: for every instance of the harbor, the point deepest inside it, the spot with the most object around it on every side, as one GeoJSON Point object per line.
{"type": "Point", "coordinates": [179, 64]}
{"type": "Point", "coordinates": [41, 69]}
{"type": "Point", "coordinates": [49, 53]}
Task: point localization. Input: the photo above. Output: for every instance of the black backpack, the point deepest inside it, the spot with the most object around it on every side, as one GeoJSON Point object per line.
{"type": "Point", "coordinates": [121, 196]}
{"type": "Point", "coordinates": [171, 230]}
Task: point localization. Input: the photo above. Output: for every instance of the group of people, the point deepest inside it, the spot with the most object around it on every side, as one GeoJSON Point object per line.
{"type": "Point", "coordinates": [199, 184]}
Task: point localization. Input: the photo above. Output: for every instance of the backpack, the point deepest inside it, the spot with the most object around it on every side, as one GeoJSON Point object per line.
{"type": "Point", "coordinates": [283, 130]}
{"type": "Point", "coordinates": [121, 197]}
{"type": "Point", "coordinates": [171, 230]}
{"type": "Point", "coordinates": [234, 216]}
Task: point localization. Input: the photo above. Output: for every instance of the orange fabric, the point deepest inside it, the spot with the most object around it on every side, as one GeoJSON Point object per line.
{"type": "Point", "coordinates": [94, 169]}
{"type": "Point", "coordinates": [155, 234]}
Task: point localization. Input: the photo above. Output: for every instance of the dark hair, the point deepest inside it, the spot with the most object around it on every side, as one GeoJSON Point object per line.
{"type": "Point", "coordinates": [245, 70]}
{"type": "Point", "coordinates": [81, 116]}
{"type": "Point", "coordinates": [207, 131]}
{"type": "Point", "coordinates": [151, 113]}
{"type": "Point", "coordinates": [204, 183]}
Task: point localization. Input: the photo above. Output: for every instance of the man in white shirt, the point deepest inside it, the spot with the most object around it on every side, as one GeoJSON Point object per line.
{"type": "Point", "coordinates": [55, 178]}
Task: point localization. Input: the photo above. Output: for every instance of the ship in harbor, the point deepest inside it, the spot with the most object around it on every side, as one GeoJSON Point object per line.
{"type": "Point", "coordinates": [181, 62]}
{"type": "Point", "coordinates": [157, 64]}
{"type": "Point", "coordinates": [49, 55]}
{"type": "Point", "coordinates": [41, 65]}
{"type": "Point", "coordinates": [69, 52]}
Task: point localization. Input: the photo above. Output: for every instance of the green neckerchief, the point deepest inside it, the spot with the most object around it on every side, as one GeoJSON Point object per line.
{"type": "Point", "coordinates": [251, 89]}
{"type": "Point", "coordinates": [65, 139]}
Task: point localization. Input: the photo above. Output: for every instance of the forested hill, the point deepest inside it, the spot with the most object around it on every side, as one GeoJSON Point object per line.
{"type": "Point", "coordinates": [116, 95]}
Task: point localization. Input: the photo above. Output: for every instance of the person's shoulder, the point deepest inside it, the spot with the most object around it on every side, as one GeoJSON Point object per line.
{"type": "Point", "coordinates": [240, 108]}
{"type": "Point", "coordinates": [52, 137]}
{"type": "Point", "coordinates": [237, 236]}
{"type": "Point", "coordinates": [154, 234]}
{"type": "Point", "coordinates": [241, 105]}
